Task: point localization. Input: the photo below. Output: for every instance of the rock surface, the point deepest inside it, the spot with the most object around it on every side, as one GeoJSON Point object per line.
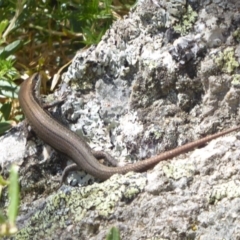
{"type": "Point", "coordinates": [163, 76]}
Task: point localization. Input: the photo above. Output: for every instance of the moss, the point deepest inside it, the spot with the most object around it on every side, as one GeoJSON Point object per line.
{"type": "Point", "coordinates": [227, 60]}
{"type": "Point", "coordinates": [186, 22]}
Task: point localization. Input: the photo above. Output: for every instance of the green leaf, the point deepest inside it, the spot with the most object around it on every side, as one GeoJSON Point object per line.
{"type": "Point", "coordinates": [4, 126]}
{"type": "Point", "coordinates": [10, 48]}
{"type": "Point", "coordinates": [3, 25]}
{"type": "Point", "coordinates": [113, 234]}
{"type": "Point", "coordinates": [7, 71]}
{"type": "Point", "coordinates": [7, 84]}
{"type": "Point", "coordinates": [13, 194]}
{"type": "Point", "coordinates": [6, 110]}
{"type": "Point", "coordinates": [9, 89]}
{"type": "Point", "coordinates": [19, 117]}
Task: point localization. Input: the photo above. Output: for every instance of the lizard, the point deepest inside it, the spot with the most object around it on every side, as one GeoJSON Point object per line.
{"type": "Point", "coordinates": [64, 140]}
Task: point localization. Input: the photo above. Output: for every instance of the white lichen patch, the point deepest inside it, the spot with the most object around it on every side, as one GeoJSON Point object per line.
{"type": "Point", "coordinates": [8, 154]}
{"type": "Point", "coordinates": [129, 123]}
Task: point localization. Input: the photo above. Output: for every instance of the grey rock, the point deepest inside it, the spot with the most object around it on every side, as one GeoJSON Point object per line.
{"type": "Point", "coordinates": [154, 82]}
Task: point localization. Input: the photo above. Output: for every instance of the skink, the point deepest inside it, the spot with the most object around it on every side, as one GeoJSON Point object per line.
{"type": "Point", "coordinates": [62, 139]}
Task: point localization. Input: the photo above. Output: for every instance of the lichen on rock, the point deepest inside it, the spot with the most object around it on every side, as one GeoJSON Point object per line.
{"type": "Point", "coordinates": [70, 206]}
{"type": "Point", "coordinates": [147, 88]}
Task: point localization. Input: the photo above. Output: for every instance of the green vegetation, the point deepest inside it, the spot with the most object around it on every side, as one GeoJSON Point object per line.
{"type": "Point", "coordinates": [7, 223]}
{"type": "Point", "coordinates": [113, 234]}
{"type": "Point", "coordinates": [43, 36]}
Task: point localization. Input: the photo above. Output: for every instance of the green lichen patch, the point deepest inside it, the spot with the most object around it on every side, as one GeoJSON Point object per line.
{"type": "Point", "coordinates": [227, 60]}
{"type": "Point", "coordinates": [187, 21]}
{"type": "Point", "coordinates": [236, 80]}
{"type": "Point", "coordinates": [178, 170]}
{"type": "Point", "coordinates": [224, 190]}
{"type": "Point", "coordinates": [236, 35]}
{"type": "Point", "coordinates": [69, 207]}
